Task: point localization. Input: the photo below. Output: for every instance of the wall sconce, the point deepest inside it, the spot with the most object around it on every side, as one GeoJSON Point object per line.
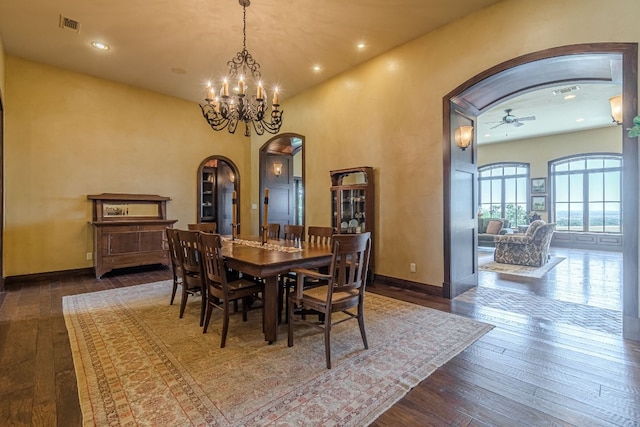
{"type": "Point", "coordinates": [463, 136]}
{"type": "Point", "coordinates": [277, 169]}
{"type": "Point", "coordinates": [616, 108]}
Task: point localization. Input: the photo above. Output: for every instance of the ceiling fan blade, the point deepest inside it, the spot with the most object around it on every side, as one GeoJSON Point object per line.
{"type": "Point", "coordinates": [526, 118]}
{"type": "Point", "coordinates": [517, 124]}
{"type": "Point", "coordinates": [501, 123]}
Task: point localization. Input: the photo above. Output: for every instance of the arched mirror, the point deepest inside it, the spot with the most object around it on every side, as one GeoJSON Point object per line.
{"type": "Point", "coordinates": [218, 178]}
{"type": "Point", "coordinates": [282, 172]}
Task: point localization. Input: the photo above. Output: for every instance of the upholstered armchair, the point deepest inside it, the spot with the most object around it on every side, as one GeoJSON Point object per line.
{"type": "Point", "coordinates": [531, 248]}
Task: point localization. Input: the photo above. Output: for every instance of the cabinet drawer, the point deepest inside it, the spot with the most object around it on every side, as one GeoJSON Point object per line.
{"type": "Point", "coordinates": [119, 228]}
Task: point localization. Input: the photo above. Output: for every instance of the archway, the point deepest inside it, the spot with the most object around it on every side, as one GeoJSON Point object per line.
{"type": "Point", "coordinates": [564, 64]}
{"type": "Point", "coordinates": [218, 178]}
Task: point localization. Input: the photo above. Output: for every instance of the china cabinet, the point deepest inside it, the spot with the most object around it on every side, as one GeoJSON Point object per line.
{"type": "Point", "coordinates": [129, 231]}
{"type": "Point", "coordinates": [352, 195]}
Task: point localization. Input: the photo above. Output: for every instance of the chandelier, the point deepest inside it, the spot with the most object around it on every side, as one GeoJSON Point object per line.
{"type": "Point", "coordinates": [225, 110]}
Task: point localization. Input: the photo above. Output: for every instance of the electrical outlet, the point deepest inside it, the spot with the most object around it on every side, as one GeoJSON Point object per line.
{"type": "Point", "coordinates": [89, 256]}
{"type": "Point", "coordinates": [412, 267]}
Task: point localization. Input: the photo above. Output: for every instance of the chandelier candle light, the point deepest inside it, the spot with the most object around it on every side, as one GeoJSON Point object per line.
{"type": "Point", "coordinates": [224, 111]}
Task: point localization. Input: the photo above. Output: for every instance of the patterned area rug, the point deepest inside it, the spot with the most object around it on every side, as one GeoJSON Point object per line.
{"type": "Point", "coordinates": [137, 363]}
{"type": "Point", "coordinates": [486, 263]}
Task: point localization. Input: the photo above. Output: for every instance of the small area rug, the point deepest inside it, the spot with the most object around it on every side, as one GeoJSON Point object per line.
{"type": "Point", "coordinates": [137, 363]}
{"type": "Point", "coordinates": [486, 263]}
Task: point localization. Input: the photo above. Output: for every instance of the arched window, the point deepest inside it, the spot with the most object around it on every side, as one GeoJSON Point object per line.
{"type": "Point", "coordinates": [587, 193]}
{"type": "Point", "coordinates": [502, 191]}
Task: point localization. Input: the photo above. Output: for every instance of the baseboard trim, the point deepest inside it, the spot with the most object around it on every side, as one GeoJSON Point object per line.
{"type": "Point", "coordinates": [50, 275]}
{"type": "Point", "coordinates": [422, 288]}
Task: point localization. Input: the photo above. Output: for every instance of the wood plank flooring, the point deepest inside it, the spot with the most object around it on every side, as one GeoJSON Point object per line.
{"type": "Point", "coordinates": [541, 365]}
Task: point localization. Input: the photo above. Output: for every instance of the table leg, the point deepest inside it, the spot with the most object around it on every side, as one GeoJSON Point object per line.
{"type": "Point", "coordinates": [271, 309]}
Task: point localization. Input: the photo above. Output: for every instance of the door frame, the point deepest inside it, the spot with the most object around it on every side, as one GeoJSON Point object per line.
{"type": "Point", "coordinates": [280, 144]}
{"type": "Point", "coordinates": [629, 53]}
{"type": "Point", "coordinates": [236, 183]}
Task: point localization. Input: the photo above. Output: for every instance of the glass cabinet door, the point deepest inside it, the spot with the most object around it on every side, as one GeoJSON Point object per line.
{"type": "Point", "coordinates": [207, 204]}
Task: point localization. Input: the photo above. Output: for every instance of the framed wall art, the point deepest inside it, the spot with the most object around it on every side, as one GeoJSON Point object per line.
{"type": "Point", "coordinates": [539, 203]}
{"type": "Point", "coordinates": [538, 185]}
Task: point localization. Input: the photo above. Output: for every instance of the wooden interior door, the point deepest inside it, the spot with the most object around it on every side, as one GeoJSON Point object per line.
{"type": "Point", "coordinates": [462, 205]}
{"type": "Point", "coordinates": [281, 190]}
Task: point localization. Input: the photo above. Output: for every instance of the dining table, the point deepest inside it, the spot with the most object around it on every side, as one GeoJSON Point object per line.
{"type": "Point", "coordinates": [247, 254]}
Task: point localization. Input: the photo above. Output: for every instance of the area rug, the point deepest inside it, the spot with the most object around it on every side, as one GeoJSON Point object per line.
{"type": "Point", "coordinates": [487, 264]}
{"type": "Point", "coordinates": [137, 363]}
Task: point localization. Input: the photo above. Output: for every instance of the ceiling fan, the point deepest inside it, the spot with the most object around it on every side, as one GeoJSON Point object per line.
{"type": "Point", "coordinates": [510, 119]}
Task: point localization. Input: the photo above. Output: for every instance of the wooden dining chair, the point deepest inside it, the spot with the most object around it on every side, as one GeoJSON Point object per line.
{"type": "Point", "coordinates": [220, 291]}
{"type": "Point", "coordinates": [175, 254]}
{"type": "Point", "coordinates": [319, 235]}
{"type": "Point", "coordinates": [344, 289]}
{"type": "Point", "coordinates": [315, 235]}
{"type": "Point", "coordinates": [207, 227]}
{"type": "Point", "coordinates": [273, 231]}
{"type": "Point", "coordinates": [192, 276]}
{"type": "Point", "coordinates": [293, 232]}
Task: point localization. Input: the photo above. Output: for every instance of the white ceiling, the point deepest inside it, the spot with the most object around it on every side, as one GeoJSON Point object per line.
{"type": "Point", "coordinates": [175, 46]}
{"type": "Point", "coordinates": [589, 108]}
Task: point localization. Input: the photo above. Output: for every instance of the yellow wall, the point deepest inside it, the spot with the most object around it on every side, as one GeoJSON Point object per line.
{"type": "Point", "coordinates": [387, 114]}
{"type": "Point", "coordinates": [1, 67]}
{"type": "Point", "coordinates": [538, 151]}
{"type": "Point", "coordinates": [68, 135]}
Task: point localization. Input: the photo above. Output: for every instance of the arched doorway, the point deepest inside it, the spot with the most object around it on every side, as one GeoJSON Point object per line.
{"type": "Point", "coordinates": [563, 64]}
{"type": "Point", "coordinates": [282, 167]}
{"type": "Point", "coordinates": [218, 178]}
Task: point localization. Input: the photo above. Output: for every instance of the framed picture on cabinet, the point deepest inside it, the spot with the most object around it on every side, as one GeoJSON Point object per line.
{"type": "Point", "coordinates": [539, 203]}
{"type": "Point", "coordinates": [538, 185]}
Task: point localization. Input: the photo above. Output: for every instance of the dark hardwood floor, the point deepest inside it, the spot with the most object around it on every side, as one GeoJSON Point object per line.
{"type": "Point", "coordinates": [555, 356]}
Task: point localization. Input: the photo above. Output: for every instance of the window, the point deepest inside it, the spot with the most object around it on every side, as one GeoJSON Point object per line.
{"type": "Point", "coordinates": [503, 191]}
{"type": "Point", "coordinates": [587, 193]}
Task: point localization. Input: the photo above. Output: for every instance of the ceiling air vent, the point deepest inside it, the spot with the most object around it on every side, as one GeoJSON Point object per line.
{"type": "Point", "coordinates": [69, 23]}
{"type": "Point", "coordinates": [565, 90]}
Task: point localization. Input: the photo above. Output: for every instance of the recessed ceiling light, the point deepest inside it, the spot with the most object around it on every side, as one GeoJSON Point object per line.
{"type": "Point", "coordinates": [487, 135]}
{"type": "Point", "coordinates": [100, 46]}
{"type": "Point", "coordinates": [569, 96]}
{"type": "Point", "coordinates": [179, 70]}
{"type": "Point", "coordinates": [317, 68]}
{"type": "Point", "coordinates": [580, 120]}
{"type": "Point", "coordinates": [361, 45]}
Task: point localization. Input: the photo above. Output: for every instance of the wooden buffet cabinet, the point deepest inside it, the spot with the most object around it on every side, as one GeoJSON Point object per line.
{"type": "Point", "coordinates": [129, 231]}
